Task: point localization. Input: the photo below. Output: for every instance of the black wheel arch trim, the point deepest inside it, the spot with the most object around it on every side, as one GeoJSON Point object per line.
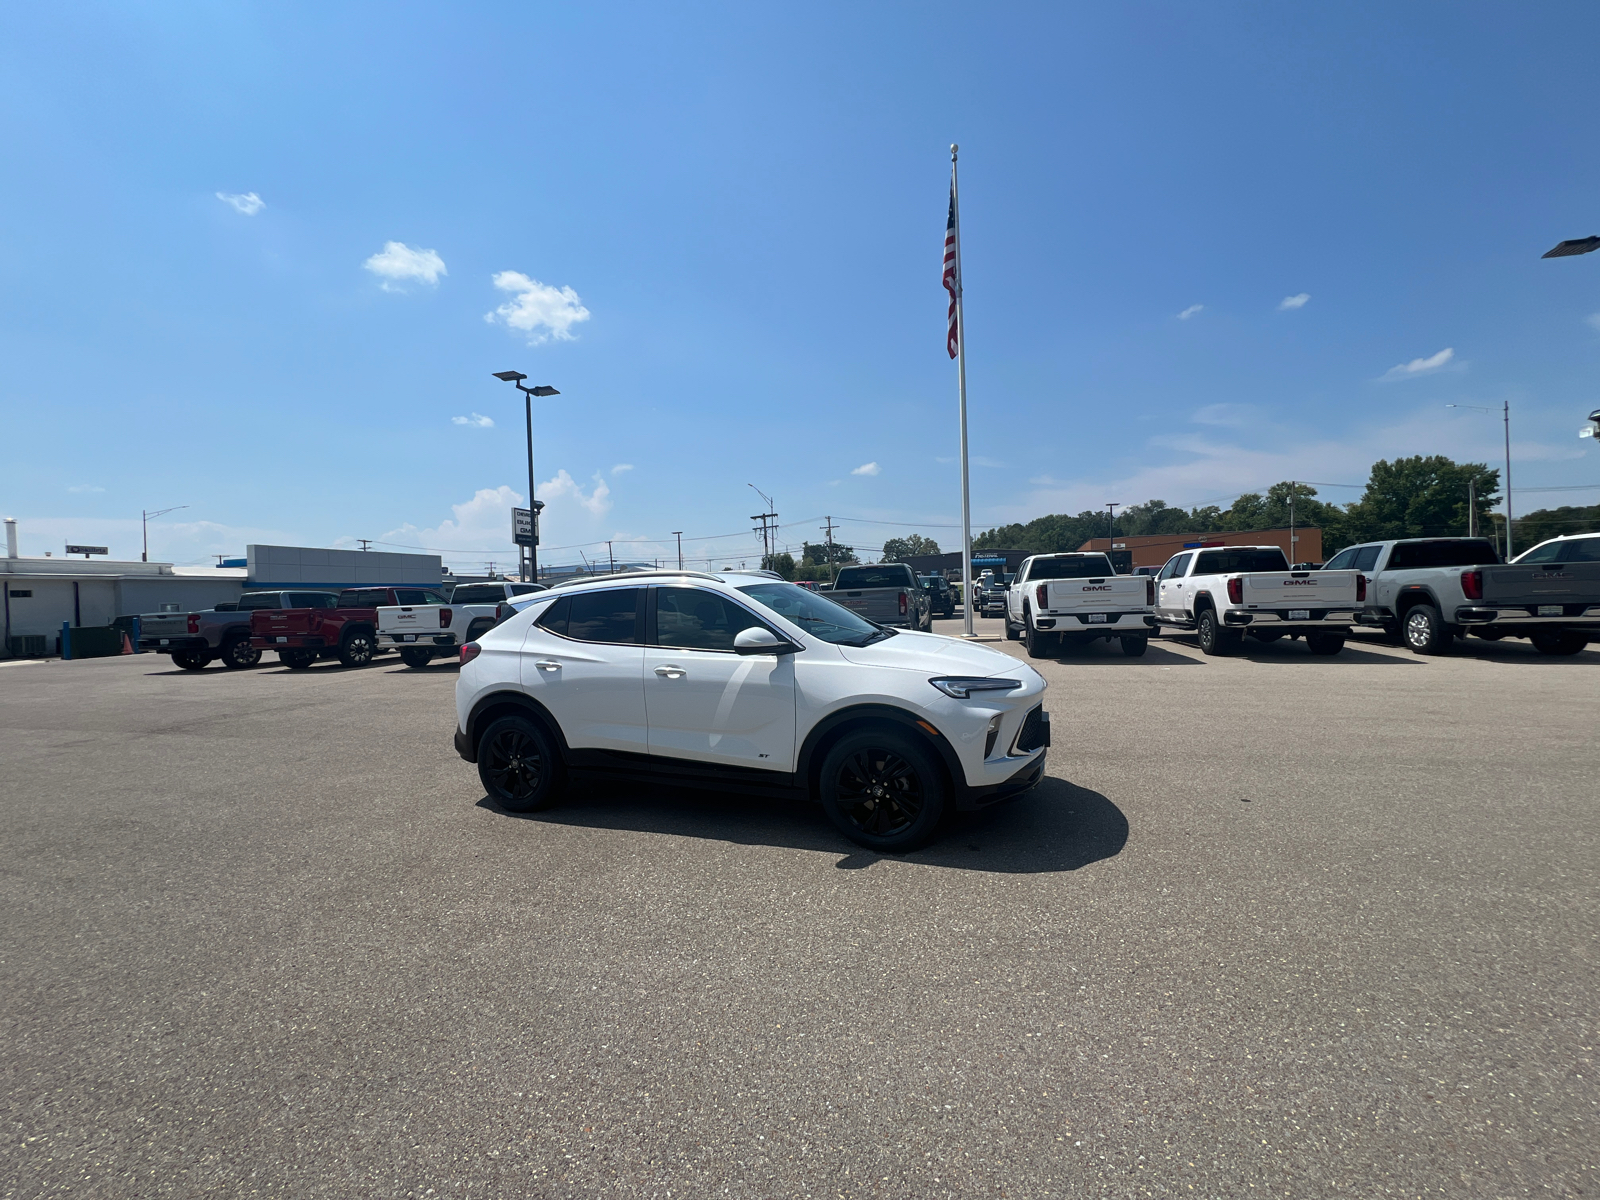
{"type": "Point", "coordinates": [495, 703]}
{"type": "Point", "coordinates": [1412, 595]}
{"type": "Point", "coordinates": [809, 762]}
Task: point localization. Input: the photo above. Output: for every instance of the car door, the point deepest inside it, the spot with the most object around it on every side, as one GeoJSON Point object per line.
{"type": "Point", "coordinates": [1170, 594]}
{"type": "Point", "coordinates": [704, 701]}
{"type": "Point", "coordinates": [583, 659]}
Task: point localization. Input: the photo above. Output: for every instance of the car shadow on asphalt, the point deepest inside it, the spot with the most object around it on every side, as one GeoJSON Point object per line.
{"type": "Point", "coordinates": [1057, 826]}
{"type": "Point", "coordinates": [1155, 655]}
{"type": "Point", "coordinates": [1287, 653]}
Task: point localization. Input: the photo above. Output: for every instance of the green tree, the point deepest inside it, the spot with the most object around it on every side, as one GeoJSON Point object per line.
{"type": "Point", "coordinates": [1546, 523]}
{"type": "Point", "coordinates": [816, 553]}
{"type": "Point", "coordinates": [1421, 496]}
{"type": "Point", "coordinates": [783, 564]}
{"type": "Point", "coordinates": [901, 548]}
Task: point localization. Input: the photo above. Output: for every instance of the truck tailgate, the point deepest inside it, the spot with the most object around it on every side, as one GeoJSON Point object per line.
{"type": "Point", "coordinates": [419, 618]}
{"type": "Point", "coordinates": [1574, 586]}
{"type": "Point", "coordinates": [1092, 595]}
{"type": "Point", "coordinates": [1299, 589]}
{"type": "Point", "coordinates": [271, 622]}
{"type": "Point", "coordinates": [876, 604]}
{"type": "Point", "coordinates": [160, 625]}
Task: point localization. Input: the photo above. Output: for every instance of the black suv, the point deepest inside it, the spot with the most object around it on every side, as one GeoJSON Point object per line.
{"type": "Point", "coordinates": [941, 596]}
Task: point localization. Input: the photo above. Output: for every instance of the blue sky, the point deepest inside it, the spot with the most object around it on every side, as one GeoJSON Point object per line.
{"type": "Point", "coordinates": [717, 229]}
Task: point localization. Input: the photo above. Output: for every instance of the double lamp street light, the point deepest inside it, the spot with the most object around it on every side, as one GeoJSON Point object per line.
{"type": "Point", "coordinates": [516, 377]}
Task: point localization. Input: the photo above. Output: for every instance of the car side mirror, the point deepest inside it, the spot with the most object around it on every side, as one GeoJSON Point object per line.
{"type": "Point", "coordinates": [759, 640]}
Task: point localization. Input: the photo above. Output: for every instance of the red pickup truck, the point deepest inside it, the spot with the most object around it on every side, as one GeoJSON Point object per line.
{"type": "Point", "coordinates": [348, 631]}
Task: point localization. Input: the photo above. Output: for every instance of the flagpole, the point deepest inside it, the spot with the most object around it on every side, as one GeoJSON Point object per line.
{"type": "Point", "coordinates": [961, 377]}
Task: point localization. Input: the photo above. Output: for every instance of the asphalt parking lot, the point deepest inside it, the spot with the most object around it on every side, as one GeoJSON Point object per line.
{"type": "Point", "coordinates": [1275, 925]}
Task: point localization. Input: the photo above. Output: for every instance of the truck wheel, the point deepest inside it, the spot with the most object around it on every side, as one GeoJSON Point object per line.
{"type": "Point", "coordinates": [1325, 643]}
{"type": "Point", "coordinates": [238, 652]}
{"type": "Point", "coordinates": [1012, 634]}
{"type": "Point", "coordinates": [1134, 647]}
{"type": "Point", "coordinates": [1425, 630]}
{"type": "Point", "coordinates": [518, 765]}
{"type": "Point", "coordinates": [882, 790]}
{"type": "Point", "coordinates": [1213, 638]}
{"type": "Point", "coordinates": [297, 660]}
{"type": "Point", "coordinates": [191, 660]}
{"type": "Point", "coordinates": [1037, 643]}
{"type": "Point", "coordinates": [356, 649]}
{"type": "Point", "coordinates": [416, 658]}
{"type": "Point", "coordinates": [1558, 644]}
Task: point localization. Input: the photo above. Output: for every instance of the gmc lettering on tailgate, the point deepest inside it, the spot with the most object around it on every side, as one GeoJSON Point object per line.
{"type": "Point", "coordinates": [1104, 587]}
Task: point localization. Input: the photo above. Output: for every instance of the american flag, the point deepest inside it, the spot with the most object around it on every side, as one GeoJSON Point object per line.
{"type": "Point", "coordinates": [952, 274]}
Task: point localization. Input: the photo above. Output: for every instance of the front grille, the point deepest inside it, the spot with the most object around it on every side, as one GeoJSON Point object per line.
{"type": "Point", "coordinates": [1031, 736]}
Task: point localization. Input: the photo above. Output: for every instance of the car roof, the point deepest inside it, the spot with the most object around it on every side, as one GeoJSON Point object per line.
{"type": "Point", "coordinates": [625, 578]}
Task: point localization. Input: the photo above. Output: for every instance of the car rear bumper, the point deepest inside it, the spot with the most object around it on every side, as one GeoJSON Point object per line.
{"type": "Point", "coordinates": [1572, 616]}
{"type": "Point", "coordinates": [1316, 618]}
{"type": "Point", "coordinates": [1084, 622]}
{"type": "Point", "coordinates": [289, 641]}
{"type": "Point", "coordinates": [401, 641]}
{"type": "Point", "coordinates": [166, 645]}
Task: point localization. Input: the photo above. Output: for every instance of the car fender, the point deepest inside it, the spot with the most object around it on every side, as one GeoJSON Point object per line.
{"type": "Point", "coordinates": [495, 703]}
{"type": "Point", "coordinates": [809, 761]}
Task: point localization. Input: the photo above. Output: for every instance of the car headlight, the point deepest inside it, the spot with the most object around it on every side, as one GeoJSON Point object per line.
{"type": "Point", "coordinates": [962, 686]}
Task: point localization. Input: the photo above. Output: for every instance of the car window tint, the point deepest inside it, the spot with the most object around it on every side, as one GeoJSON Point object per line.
{"type": "Point", "coordinates": [1576, 550]}
{"type": "Point", "coordinates": [554, 618]}
{"type": "Point", "coordinates": [1443, 552]}
{"type": "Point", "coordinates": [525, 589]}
{"type": "Point", "coordinates": [1087, 566]}
{"type": "Point", "coordinates": [308, 600]}
{"type": "Point", "coordinates": [871, 577]}
{"type": "Point", "coordinates": [1219, 562]}
{"type": "Point", "coordinates": [260, 600]}
{"type": "Point", "coordinates": [603, 616]}
{"type": "Point", "coordinates": [1366, 557]}
{"type": "Point", "coordinates": [410, 596]}
{"type": "Point", "coordinates": [1342, 560]}
{"type": "Point", "coordinates": [695, 619]}
{"type": "Point", "coordinates": [476, 594]}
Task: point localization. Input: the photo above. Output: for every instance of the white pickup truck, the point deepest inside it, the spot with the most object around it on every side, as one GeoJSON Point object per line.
{"type": "Point", "coordinates": [1224, 592]}
{"type": "Point", "coordinates": [421, 631]}
{"type": "Point", "coordinates": [1429, 591]}
{"type": "Point", "coordinates": [1058, 600]}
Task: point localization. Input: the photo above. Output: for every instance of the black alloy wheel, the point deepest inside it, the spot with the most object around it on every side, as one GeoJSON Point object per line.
{"type": "Point", "coordinates": [191, 660]}
{"type": "Point", "coordinates": [518, 766]}
{"type": "Point", "coordinates": [1134, 647]}
{"type": "Point", "coordinates": [416, 658]}
{"type": "Point", "coordinates": [1323, 643]}
{"type": "Point", "coordinates": [882, 790]}
{"type": "Point", "coordinates": [1558, 645]}
{"type": "Point", "coordinates": [1213, 638]}
{"type": "Point", "coordinates": [239, 653]}
{"type": "Point", "coordinates": [1425, 630]}
{"type": "Point", "coordinates": [297, 660]}
{"type": "Point", "coordinates": [356, 650]}
{"type": "Point", "coordinates": [1036, 642]}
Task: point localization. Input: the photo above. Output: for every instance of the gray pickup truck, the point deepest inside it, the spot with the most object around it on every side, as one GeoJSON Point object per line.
{"type": "Point", "coordinates": [887, 593]}
{"type": "Point", "coordinates": [195, 639]}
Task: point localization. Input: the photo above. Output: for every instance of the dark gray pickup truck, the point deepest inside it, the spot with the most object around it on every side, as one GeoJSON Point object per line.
{"type": "Point", "coordinates": [195, 639]}
{"type": "Point", "coordinates": [887, 593]}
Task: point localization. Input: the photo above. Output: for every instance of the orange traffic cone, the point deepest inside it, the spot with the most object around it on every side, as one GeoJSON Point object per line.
{"type": "Point", "coordinates": [127, 646]}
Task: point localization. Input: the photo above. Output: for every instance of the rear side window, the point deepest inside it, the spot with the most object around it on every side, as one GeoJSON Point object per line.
{"type": "Point", "coordinates": [1225, 562]}
{"type": "Point", "coordinates": [694, 619]}
{"type": "Point", "coordinates": [477, 593]}
{"type": "Point", "coordinates": [1089, 566]}
{"type": "Point", "coordinates": [261, 600]}
{"type": "Point", "coordinates": [1443, 552]}
{"type": "Point", "coordinates": [553, 618]}
{"type": "Point", "coordinates": [873, 577]}
{"type": "Point", "coordinates": [1576, 550]}
{"type": "Point", "coordinates": [310, 599]}
{"type": "Point", "coordinates": [1344, 560]}
{"type": "Point", "coordinates": [363, 597]}
{"type": "Point", "coordinates": [411, 596]}
{"type": "Point", "coordinates": [610, 616]}
{"type": "Point", "coordinates": [1366, 557]}
{"type": "Point", "coordinates": [526, 589]}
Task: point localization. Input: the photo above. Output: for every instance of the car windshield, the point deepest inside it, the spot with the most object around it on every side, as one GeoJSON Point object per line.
{"type": "Point", "coordinates": [1082, 566]}
{"type": "Point", "coordinates": [816, 614]}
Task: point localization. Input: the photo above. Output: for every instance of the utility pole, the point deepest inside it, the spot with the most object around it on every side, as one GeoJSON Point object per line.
{"type": "Point", "coordinates": [366, 543]}
{"type": "Point", "coordinates": [1111, 523]}
{"type": "Point", "coordinates": [829, 528]}
{"type": "Point", "coordinates": [678, 533]}
{"type": "Point", "coordinates": [767, 530]}
{"type": "Point", "coordinates": [1472, 507]}
{"type": "Point", "coordinates": [612, 557]}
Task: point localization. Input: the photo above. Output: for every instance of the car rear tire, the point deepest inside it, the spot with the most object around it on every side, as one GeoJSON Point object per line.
{"type": "Point", "coordinates": [882, 790]}
{"type": "Point", "coordinates": [1036, 642]}
{"type": "Point", "coordinates": [1134, 647]}
{"type": "Point", "coordinates": [297, 660]}
{"type": "Point", "coordinates": [191, 660]}
{"type": "Point", "coordinates": [1213, 638]}
{"type": "Point", "coordinates": [1325, 643]}
{"type": "Point", "coordinates": [1425, 630]}
{"type": "Point", "coordinates": [238, 653]}
{"type": "Point", "coordinates": [1012, 633]}
{"type": "Point", "coordinates": [416, 658]}
{"type": "Point", "coordinates": [1559, 645]}
{"type": "Point", "coordinates": [518, 765]}
{"type": "Point", "coordinates": [357, 648]}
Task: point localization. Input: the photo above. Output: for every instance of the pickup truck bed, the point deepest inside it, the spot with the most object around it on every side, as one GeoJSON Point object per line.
{"type": "Point", "coordinates": [1225, 593]}
{"type": "Point", "coordinates": [887, 593]}
{"type": "Point", "coordinates": [420, 632]}
{"type": "Point", "coordinates": [1059, 600]}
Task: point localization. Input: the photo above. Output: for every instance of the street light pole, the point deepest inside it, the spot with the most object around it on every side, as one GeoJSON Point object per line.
{"type": "Point", "coordinates": [1505, 410]}
{"type": "Point", "coordinates": [678, 533]}
{"type": "Point", "coordinates": [144, 527]}
{"type": "Point", "coordinates": [516, 377]}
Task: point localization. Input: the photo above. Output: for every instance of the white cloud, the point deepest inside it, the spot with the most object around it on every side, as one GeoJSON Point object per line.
{"type": "Point", "coordinates": [80, 488]}
{"type": "Point", "coordinates": [1418, 366]}
{"type": "Point", "coordinates": [984, 461]}
{"type": "Point", "coordinates": [944, 458]}
{"type": "Point", "coordinates": [1594, 320]}
{"type": "Point", "coordinates": [476, 420]}
{"type": "Point", "coordinates": [621, 467]}
{"type": "Point", "coordinates": [870, 468]}
{"type": "Point", "coordinates": [537, 309]}
{"type": "Point", "coordinates": [1190, 311]}
{"type": "Point", "coordinates": [480, 523]}
{"type": "Point", "coordinates": [1289, 302]}
{"type": "Point", "coordinates": [248, 202]}
{"type": "Point", "coordinates": [1224, 414]}
{"type": "Point", "coordinates": [399, 263]}
{"type": "Point", "coordinates": [598, 501]}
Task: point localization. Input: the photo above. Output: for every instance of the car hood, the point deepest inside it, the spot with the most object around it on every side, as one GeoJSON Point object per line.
{"type": "Point", "coordinates": [934, 654]}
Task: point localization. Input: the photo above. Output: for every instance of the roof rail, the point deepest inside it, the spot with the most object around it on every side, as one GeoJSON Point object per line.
{"type": "Point", "coordinates": [626, 575]}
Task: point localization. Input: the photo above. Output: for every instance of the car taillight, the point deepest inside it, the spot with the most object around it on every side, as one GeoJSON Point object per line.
{"type": "Point", "coordinates": [1150, 590]}
{"type": "Point", "coordinates": [469, 652]}
{"type": "Point", "coordinates": [903, 599]}
{"type": "Point", "coordinates": [1471, 585]}
{"type": "Point", "coordinates": [1361, 587]}
{"type": "Point", "coordinates": [1235, 590]}
{"type": "Point", "coordinates": [502, 611]}
{"type": "Point", "coordinates": [444, 618]}
{"type": "Point", "coordinates": [1043, 595]}
{"type": "Point", "coordinates": [194, 622]}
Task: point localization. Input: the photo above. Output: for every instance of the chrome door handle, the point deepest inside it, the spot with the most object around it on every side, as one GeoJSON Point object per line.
{"type": "Point", "coordinates": [547, 665]}
{"type": "Point", "coordinates": [671, 672]}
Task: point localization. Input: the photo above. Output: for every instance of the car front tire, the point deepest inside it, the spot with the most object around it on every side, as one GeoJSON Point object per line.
{"type": "Point", "coordinates": [882, 790]}
{"type": "Point", "coordinates": [1325, 643]}
{"type": "Point", "coordinates": [1036, 643]}
{"type": "Point", "coordinates": [518, 765]}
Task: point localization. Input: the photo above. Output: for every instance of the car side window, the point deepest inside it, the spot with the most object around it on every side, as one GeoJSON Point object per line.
{"type": "Point", "coordinates": [1366, 557]}
{"type": "Point", "coordinates": [554, 618]}
{"type": "Point", "coordinates": [610, 616]}
{"type": "Point", "coordinates": [1341, 561]}
{"type": "Point", "coordinates": [695, 619]}
{"type": "Point", "coordinates": [410, 596]}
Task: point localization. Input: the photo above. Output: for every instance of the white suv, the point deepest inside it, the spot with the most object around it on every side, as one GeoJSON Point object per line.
{"type": "Point", "coordinates": [744, 681]}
